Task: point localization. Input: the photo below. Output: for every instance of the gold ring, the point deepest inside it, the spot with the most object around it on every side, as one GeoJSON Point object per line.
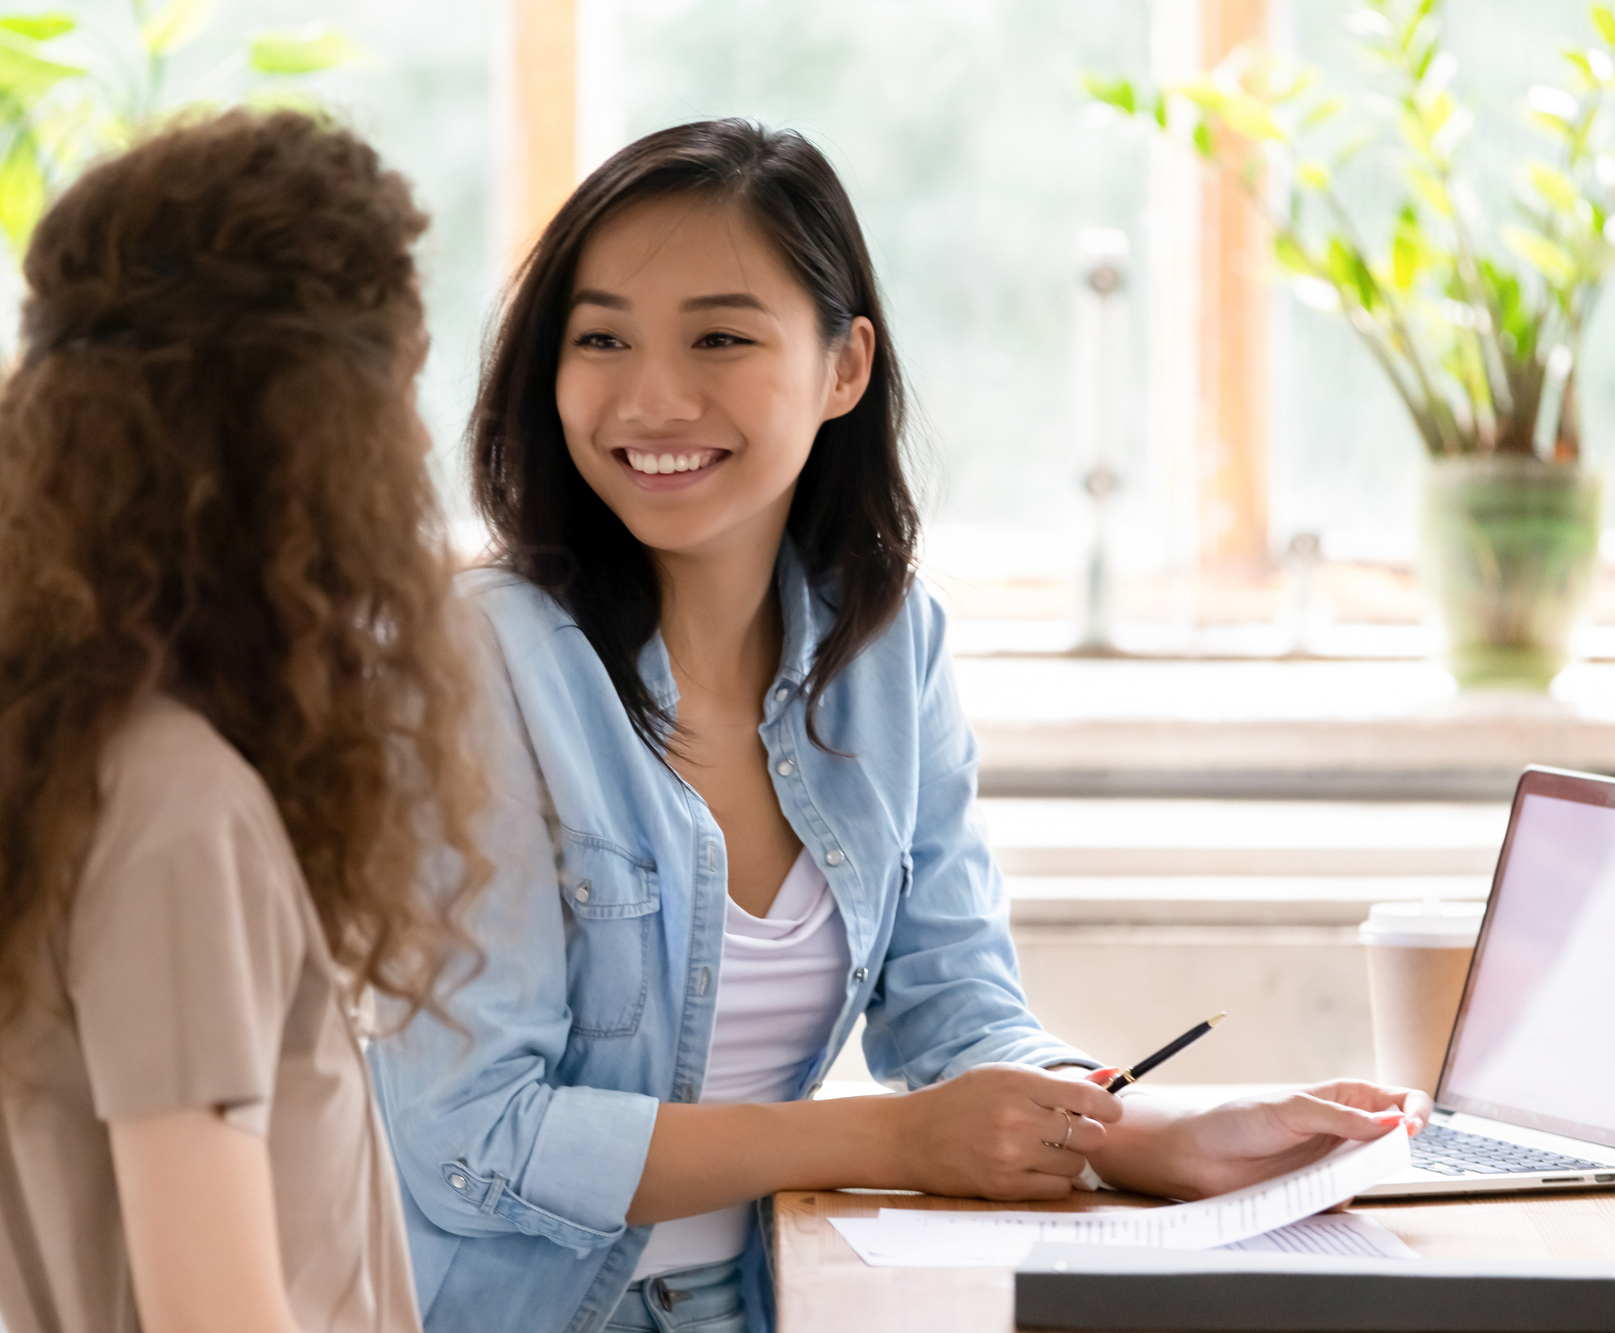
{"type": "Point", "coordinates": [1065, 1142]}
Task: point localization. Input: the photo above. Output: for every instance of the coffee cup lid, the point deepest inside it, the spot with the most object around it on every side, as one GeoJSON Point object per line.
{"type": "Point", "coordinates": [1423, 925]}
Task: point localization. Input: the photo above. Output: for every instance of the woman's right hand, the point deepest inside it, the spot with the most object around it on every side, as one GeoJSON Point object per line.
{"type": "Point", "coordinates": [986, 1133]}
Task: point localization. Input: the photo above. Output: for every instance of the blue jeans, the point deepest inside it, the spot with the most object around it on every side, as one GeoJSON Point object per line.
{"type": "Point", "coordinates": [700, 1300]}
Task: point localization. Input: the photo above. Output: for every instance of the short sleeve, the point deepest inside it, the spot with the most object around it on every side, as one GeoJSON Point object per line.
{"type": "Point", "coordinates": [186, 943]}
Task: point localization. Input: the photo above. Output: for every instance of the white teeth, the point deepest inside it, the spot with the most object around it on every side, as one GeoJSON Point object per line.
{"type": "Point", "coordinates": [655, 464]}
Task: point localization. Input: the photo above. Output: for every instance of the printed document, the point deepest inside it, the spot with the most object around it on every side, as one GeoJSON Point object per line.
{"type": "Point", "coordinates": [1259, 1217]}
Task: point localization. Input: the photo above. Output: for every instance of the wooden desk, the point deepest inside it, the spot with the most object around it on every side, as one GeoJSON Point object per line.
{"type": "Point", "coordinates": [822, 1286]}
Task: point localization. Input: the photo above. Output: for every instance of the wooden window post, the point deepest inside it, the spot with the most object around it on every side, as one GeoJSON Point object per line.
{"type": "Point", "coordinates": [1235, 250]}
{"type": "Point", "coordinates": [535, 77]}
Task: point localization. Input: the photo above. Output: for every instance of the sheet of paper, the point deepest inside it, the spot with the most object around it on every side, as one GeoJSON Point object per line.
{"type": "Point", "coordinates": [880, 1244]}
{"type": "Point", "coordinates": [1349, 1234]}
{"type": "Point", "coordinates": [902, 1237]}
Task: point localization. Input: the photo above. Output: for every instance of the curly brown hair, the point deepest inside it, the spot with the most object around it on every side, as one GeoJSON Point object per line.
{"type": "Point", "coordinates": [213, 483]}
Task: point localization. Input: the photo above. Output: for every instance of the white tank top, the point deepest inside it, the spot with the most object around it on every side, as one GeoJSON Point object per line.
{"type": "Point", "coordinates": [781, 984]}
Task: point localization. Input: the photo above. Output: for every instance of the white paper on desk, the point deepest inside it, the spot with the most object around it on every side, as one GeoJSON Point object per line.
{"type": "Point", "coordinates": [1342, 1234]}
{"type": "Point", "coordinates": [1350, 1235]}
{"type": "Point", "coordinates": [902, 1237]}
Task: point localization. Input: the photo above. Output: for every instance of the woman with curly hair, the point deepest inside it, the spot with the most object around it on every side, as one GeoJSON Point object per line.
{"type": "Point", "coordinates": [230, 719]}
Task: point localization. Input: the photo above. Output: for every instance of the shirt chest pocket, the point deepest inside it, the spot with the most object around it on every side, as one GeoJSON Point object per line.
{"type": "Point", "coordinates": [611, 898]}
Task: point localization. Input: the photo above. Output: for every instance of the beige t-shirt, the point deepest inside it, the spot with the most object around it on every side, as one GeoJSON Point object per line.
{"type": "Point", "coordinates": [193, 972]}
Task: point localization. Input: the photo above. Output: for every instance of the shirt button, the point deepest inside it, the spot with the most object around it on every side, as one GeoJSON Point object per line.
{"type": "Point", "coordinates": [457, 1181]}
{"type": "Point", "coordinates": [687, 1092]}
{"type": "Point", "coordinates": [835, 856]}
{"type": "Point", "coordinates": [785, 769]}
{"type": "Point", "coordinates": [781, 695]}
{"type": "Point", "coordinates": [861, 975]}
{"type": "Point", "coordinates": [704, 982]}
{"type": "Point", "coordinates": [581, 893]}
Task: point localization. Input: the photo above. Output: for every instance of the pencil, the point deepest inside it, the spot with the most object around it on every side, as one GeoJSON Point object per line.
{"type": "Point", "coordinates": [1166, 1052]}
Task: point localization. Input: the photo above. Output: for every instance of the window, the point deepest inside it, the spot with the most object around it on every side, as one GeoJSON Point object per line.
{"type": "Point", "coordinates": [1255, 429]}
{"type": "Point", "coordinates": [963, 136]}
{"type": "Point", "coordinates": [981, 171]}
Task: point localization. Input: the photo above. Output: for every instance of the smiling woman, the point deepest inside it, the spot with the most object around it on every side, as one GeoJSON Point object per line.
{"type": "Point", "coordinates": [736, 796]}
{"type": "Point", "coordinates": [692, 416]}
{"type": "Point", "coordinates": [849, 511]}
{"type": "Point", "coordinates": [722, 392]}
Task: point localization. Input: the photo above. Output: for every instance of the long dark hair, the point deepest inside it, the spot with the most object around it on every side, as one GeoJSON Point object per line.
{"type": "Point", "coordinates": [852, 518]}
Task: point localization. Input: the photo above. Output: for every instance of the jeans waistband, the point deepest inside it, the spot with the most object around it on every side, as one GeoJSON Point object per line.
{"type": "Point", "coordinates": [707, 1297]}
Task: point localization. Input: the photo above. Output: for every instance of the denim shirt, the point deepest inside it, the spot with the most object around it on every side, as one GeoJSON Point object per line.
{"type": "Point", "coordinates": [521, 1139]}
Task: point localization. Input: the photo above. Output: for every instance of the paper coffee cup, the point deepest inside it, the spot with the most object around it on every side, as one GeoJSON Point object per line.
{"type": "Point", "coordinates": [1418, 957]}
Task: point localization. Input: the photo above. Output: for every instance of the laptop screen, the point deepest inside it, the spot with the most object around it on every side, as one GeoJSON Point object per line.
{"type": "Point", "coordinates": [1535, 1040]}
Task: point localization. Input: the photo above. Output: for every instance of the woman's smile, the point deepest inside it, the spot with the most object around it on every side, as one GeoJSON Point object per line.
{"type": "Point", "coordinates": [669, 468]}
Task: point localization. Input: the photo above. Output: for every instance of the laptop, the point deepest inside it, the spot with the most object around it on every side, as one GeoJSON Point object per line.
{"type": "Point", "coordinates": [1526, 1099]}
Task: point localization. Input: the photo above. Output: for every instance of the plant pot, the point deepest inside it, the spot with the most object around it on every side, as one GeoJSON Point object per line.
{"type": "Point", "coordinates": [1510, 548]}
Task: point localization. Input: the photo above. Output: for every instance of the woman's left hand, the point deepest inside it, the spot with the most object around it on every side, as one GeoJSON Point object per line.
{"type": "Point", "coordinates": [1163, 1149]}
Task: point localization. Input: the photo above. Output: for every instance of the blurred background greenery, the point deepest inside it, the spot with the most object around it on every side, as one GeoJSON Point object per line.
{"type": "Point", "coordinates": [974, 158]}
{"type": "Point", "coordinates": [411, 75]}
{"type": "Point", "coordinates": [974, 164]}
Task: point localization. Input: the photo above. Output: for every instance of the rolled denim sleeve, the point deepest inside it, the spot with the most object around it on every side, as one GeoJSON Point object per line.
{"type": "Point", "coordinates": [949, 996]}
{"type": "Point", "coordinates": [485, 1142]}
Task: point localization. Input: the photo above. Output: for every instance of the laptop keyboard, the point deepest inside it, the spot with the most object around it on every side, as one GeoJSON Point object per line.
{"type": "Point", "coordinates": [1451, 1152]}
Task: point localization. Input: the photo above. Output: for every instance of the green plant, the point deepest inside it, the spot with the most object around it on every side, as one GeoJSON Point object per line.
{"type": "Point", "coordinates": [1478, 333]}
{"type": "Point", "coordinates": [60, 107]}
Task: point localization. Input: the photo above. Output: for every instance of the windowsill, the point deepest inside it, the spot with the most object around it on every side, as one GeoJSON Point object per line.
{"type": "Point", "coordinates": [1159, 641]}
{"type": "Point", "coordinates": [1038, 837]}
{"type": "Point", "coordinates": [1143, 863]}
{"type": "Point", "coordinates": [1347, 729]}
{"type": "Point", "coordinates": [1223, 900]}
{"type": "Point", "coordinates": [1269, 642]}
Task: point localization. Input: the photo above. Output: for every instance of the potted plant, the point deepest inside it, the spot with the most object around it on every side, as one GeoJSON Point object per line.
{"type": "Point", "coordinates": [1478, 329]}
